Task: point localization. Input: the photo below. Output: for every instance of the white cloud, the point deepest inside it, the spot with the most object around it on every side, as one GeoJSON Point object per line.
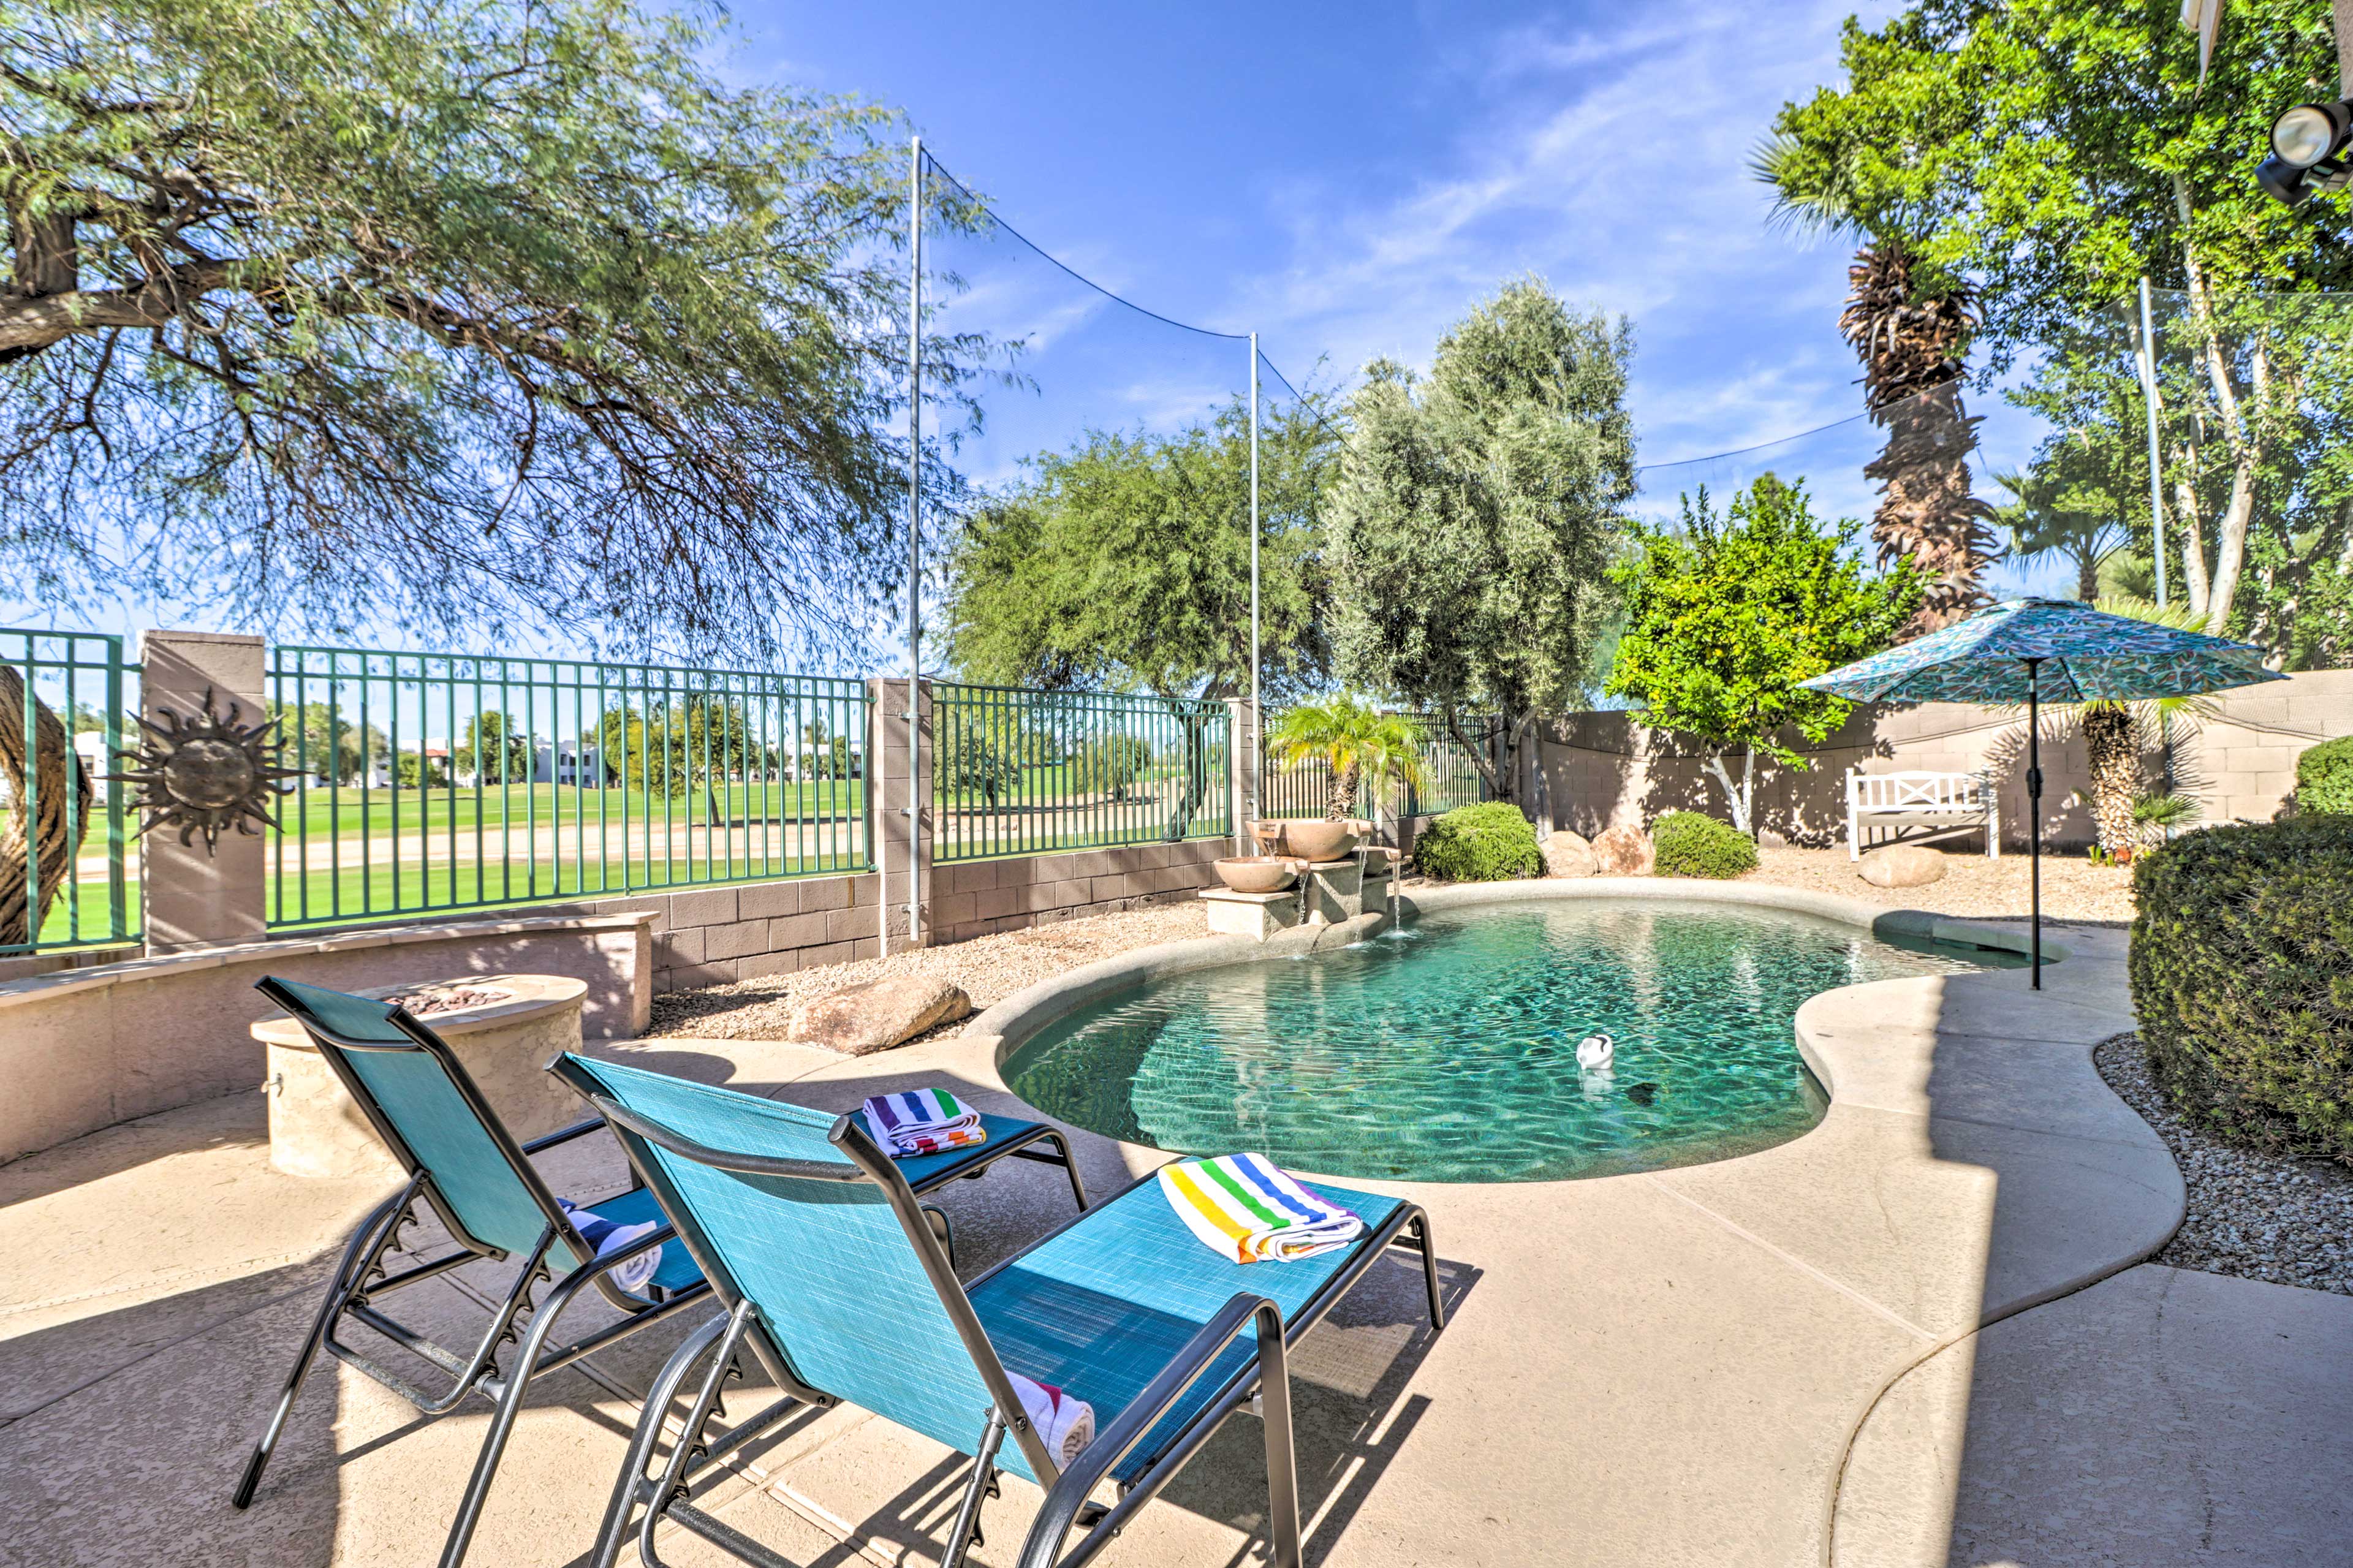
{"type": "Point", "coordinates": [1610, 157]}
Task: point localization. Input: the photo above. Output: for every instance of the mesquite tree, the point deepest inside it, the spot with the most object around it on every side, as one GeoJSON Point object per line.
{"type": "Point", "coordinates": [46, 772]}
{"type": "Point", "coordinates": [400, 309]}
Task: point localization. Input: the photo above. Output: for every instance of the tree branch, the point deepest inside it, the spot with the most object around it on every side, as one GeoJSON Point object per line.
{"type": "Point", "coordinates": [28, 326]}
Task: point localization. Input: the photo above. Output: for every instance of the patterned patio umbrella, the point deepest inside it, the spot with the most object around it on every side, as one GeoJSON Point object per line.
{"type": "Point", "coordinates": [2023, 650]}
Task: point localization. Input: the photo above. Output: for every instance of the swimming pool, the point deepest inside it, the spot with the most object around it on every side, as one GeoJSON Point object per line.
{"type": "Point", "coordinates": [1446, 1050]}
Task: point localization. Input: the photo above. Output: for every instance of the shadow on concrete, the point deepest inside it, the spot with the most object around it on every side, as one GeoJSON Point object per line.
{"type": "Point", "coordinates": [226, 1121]}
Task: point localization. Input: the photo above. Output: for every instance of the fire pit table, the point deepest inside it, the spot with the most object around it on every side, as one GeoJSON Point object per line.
{"type": "Point", "coordinates": [503, 1027]}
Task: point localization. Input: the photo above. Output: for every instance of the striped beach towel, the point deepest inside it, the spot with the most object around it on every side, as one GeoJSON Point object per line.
{"type": "Point", "coordinates": [1245, 1209]}
{"type": "Point", "coordinates": [922, 1121]}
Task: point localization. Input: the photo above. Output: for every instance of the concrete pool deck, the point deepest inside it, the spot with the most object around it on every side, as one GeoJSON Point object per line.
{"type": "Point", "coordinates": [1822, 1352]}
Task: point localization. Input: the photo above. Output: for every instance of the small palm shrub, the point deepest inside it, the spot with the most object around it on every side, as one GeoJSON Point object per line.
{"type": "Point", "coordinates": [2159, 815]}
{"type": "Point", "coordinates": [1692, 845]}
{"type": "Point", "coordinates": [2324, 777]}
{"type": "Point", "coordinates": [2242, 977]}
{"type": "Point", "coordinates": [1487, 843]}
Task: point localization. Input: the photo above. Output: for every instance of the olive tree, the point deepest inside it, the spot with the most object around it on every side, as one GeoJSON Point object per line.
{"type": "Point", "coordinates": [1476, 515]}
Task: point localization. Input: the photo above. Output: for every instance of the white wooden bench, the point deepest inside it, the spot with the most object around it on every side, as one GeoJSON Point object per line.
{"type": "Point", "coordinates": [1957, 802]}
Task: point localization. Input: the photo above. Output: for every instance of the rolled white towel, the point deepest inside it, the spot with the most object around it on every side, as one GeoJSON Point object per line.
{"type": "Point", "coordinates": [1596, 1053]}
{"type": "Point", "coordinates": [1066, 1426]}
{"type": "Point", "coordinates": [609, 1238]}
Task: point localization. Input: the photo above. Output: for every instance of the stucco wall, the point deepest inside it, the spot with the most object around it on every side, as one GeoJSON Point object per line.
{"type": "Point", "coordinates": [1605, 770]}
{"type": "Point", "coordinates": [83, 1048]}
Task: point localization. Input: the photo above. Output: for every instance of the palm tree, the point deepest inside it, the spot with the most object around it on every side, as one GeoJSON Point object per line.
{"type": "Point", "coordinates": [1909, 322]}
{"type": "Point", "coordinates": [2056, 511]}
{"type": "Point", "coordinates": [2116, 733]}
{"type": "Point", "coordinates": [1356, 741]}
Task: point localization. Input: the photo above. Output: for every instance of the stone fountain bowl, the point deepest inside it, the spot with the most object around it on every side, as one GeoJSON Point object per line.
{"type": "Point", "coordinates": [1320, 841]}
{"type": "Point", "coordinates": [1258, 873]}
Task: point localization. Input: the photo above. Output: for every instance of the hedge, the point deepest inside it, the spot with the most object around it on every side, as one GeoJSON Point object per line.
{"type": "Point", "coordinates": [1690, 844]}
{"type": "Point", "coordinates": [2243, 976]}
{"type": "Point", "coordinates": [1487, 843]}
{"type": "Point", "coordinates": [2324, 776]}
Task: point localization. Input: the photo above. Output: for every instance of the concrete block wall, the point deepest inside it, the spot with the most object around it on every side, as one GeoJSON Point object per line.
{"type": "Point", "coordinates": [715, 936]}
{"type": "Point", "coordinates": [980, 897]}
{"type": "Point", "coordinates": [1607, 770]}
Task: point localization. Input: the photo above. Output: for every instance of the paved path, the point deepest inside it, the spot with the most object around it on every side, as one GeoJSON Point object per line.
{"type": "Point", "coordinates": [1672, 1368]}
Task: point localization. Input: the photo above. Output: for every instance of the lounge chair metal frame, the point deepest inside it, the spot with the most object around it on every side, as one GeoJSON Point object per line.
{"type": "Point", "coordinates": [361, 1279]}
{"type": "Point", "coordinates": [697, 1450]}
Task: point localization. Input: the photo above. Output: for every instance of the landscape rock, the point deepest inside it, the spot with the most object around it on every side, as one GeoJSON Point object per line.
{"type": "Point", "coordinates": [1567, 855]}
{"type": "Point", "coordinates": [1623, 852]}
{"type": "Point", "coordinates": [1769, 839]}
{"type": "Point", "coordinates": [860, 1019]}
{"type": "Point", "coordinates": [1902, 866]}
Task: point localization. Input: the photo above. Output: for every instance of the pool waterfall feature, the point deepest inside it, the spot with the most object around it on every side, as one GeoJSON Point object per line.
{"type": "Point", "coordinates": [1445, 1050]}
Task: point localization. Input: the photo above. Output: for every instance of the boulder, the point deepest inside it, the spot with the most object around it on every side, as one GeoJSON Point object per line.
{"type": "Point", "coordinates": [1623, 852]}
{"type": "Point", "coordinates": [1902, 866]}
{"type": "Point", "coordinates": [880, 1013]}
{"type": "Point", "coordinates": [1567, 855]}
{"type": "Point", "coordinates": [1769, 839]}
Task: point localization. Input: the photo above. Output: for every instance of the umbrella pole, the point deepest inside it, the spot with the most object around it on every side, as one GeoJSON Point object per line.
{"type": "Point", "coordinates": [2034, 813]}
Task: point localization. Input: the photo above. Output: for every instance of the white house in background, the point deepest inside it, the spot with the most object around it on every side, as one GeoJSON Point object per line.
{"type": "Point", "coordinates": [567, 762]}
{"type": "Point", "coordinates": [91, 747]}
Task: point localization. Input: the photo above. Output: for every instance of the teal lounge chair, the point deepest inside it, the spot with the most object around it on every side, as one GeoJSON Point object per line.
{"type": "Point", "coordinates": [464, 1166]}
{"type": "Point", "coordinates": [813, 1242]}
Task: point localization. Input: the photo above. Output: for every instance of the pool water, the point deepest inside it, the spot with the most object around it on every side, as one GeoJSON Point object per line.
{"type": "Point", "coordinates": [1446, 1050]}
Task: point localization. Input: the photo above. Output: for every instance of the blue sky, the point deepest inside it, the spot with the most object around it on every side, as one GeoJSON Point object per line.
{"type": "Point", "coordinates": [1347, 179]}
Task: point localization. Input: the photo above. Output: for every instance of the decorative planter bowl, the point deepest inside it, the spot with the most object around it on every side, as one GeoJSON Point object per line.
{"type": "Point", "coordinates": [1320, 841]}
{"type": "Point", "coordinates": [1258, 873]}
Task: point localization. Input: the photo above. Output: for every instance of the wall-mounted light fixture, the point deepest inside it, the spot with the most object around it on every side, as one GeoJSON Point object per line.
{"type": "Point", "coordinates": [2308, 146]}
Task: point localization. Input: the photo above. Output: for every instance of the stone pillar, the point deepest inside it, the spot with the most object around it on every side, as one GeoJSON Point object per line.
{"type": "Point", "coordinates": [191, 898]}
{"type": "Point", "coordinates": [1242, 731]}
{"type": "Point", "coordinates": [903, 843]}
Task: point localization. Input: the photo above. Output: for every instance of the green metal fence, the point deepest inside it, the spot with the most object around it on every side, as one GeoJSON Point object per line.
{"type": "Point", "coordinates": [1454, 777]}
{"type": "Point", "coordinates": [1026, 773]}
{"type": "Point", "coordinates": [66, 880]}
{"type": "Point", "coordinates": [433, 782]}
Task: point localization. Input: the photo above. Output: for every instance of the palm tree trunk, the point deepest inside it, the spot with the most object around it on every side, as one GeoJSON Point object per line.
{"type": "Point", "coordinates": [1927, 512]}
{"type": "Point", "coordinates": [1342, 804]}
{"type": "Point", "coordinates": [2111, 750]}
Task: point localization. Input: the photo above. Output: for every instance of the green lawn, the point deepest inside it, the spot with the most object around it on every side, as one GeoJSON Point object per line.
{"type": "Point", "coordinates": [374, 894]}
{"type": "Point", "coordinates": [317, 811]}
{"type": "Point", "coordinates": [582, 854]}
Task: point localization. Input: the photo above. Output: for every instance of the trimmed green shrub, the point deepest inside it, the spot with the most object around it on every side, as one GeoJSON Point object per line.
{"type": "Point", "coordinates": [1692, 845]}
{"type": "Point", "coordinates": [1487, 843]}
{"type": "Point", "coordinates": [2324, 777]}
{"type": "Point", "coordinates": [2243, 976]}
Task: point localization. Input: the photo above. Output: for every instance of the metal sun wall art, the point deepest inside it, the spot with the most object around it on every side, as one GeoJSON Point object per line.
{"type": "Point", "coordinates": [203, 774]}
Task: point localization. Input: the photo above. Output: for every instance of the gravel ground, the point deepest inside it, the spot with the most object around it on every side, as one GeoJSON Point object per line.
{"type": "Point", "coordinates": [990, 968]}
{"type": "Point", "coordinates": [2251, 1215]}
{"type": "Point", "coordinates": [2072, 887]}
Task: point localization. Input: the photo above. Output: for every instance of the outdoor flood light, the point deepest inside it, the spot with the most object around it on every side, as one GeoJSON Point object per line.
{"type": "Point", "coordinates": [2306, 140]}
